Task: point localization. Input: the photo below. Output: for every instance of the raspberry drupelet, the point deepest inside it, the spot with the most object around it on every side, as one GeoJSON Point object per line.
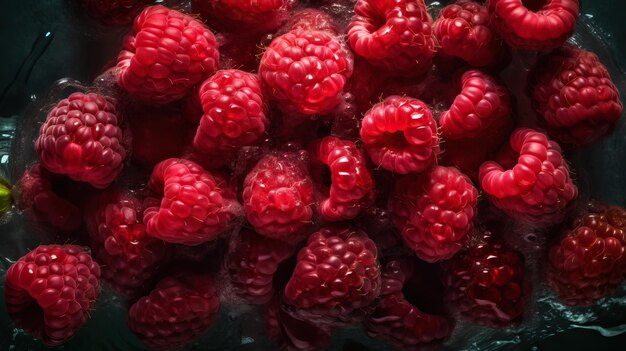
{"type": "Point", "coordinates": [166, 55]}
{"type": "Point", "coordinates": [259, 16]}
{"type": "Point", "coordinates": [530, 180]}
{"type": "Point", "coordinates": [312, 19]}
{"type": "Point", "coordinates": [51, 291]}
{"type": "Point", "coordinates": [400, 135]}
{"type": "Point", "coordinates": [81, 138]}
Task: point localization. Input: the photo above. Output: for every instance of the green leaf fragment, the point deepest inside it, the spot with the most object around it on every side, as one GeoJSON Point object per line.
{"type": "Point", "coordinates": [5, 196]}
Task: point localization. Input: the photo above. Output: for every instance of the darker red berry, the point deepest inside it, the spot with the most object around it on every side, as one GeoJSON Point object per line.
{"type": "Point", "coordinates": [244, 15]}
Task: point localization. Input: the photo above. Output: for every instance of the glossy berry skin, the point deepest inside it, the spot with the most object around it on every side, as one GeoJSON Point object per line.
{"type": "Point", "coordinates": [252, 262]}
{"type": "Point", "coordinates": [244, 15]}
{"type": "Point", "coordinates": [434, 212]}
{"type": "Point", "coordinates": [306, 70]}
{"type": "Point", "coordinates": [114, 12]}
{"type": "Point", "coordinates": [463, 31]}
{"type": "Point", "coordinates": [589, 260]}
{"type": "Point", "coordinates": [129, 257]}
{"type": "Point", "coordinates": [574, 96]}
{"type": "Point", "coordinates": [544, 25]}
{"type": "Point", "coordinates": [233, 112]}
{"type": "Point", "coordinates": [35, 195]}
{"type": "Point", "coordinates": [337, 274]}
{"type": "Point", "coordinates": [81, 137]}
{"type": "Point", "coordinates": [177, 311]}
{"type": "Point", "coordinates": [530, 180]}
{"type": "Point", "coordinates": [166, 55]}
{"type": "Point", "coordinates": [190, 205]}
{"type": "Point", "coordinates": [394, 35]}
{"type": "Point", "coordinates": [278, 198]}
{"type": "Point", "coordinates": [312, 19]}
{"type": "Point", "coordinates": [51, 291]}
{"type": "Point", "coordinates": [400, 135]}
{"type": "Point", "coordinates": [487, 285]}
{"type": "Point", "coordinates": [352, 187]}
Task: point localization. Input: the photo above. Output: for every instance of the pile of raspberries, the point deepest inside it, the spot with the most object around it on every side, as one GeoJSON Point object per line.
{"type": "Point", "coordinates": [274, 153]}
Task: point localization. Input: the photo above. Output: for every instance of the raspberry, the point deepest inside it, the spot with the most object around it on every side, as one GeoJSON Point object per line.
{"type": "Point", "coordinates": [352, 186]}
{"type": "Point", "coordinates": [488, 285]}
{"type": "Point", "coordinates": [306, 70]}
{"type": "Point", "coordinates": [534, 25]}
{"type": "Point", "coordinates": [463, 31]}
{"type": "Point", "coordinates": [533, 182]}
{"type": "Point", "coordinates": [234, 112]}
{"type": "Point", "coordinates": [312, 19]}
{"type": "Point", "coordinates": [51, 290]}
{"type": "Point", "coordinates": [252, 262]}
{"type": "Point", "coordinates": [400, 135]}
{"type": "Point", "coordinates": [278, 198]}
{"type": "Point", "coordinates": [573, 93]}
{"type": "Point", "coordinates": [195, 206]}
{"type": "Point", "coordinates": [393, 35]}
{"type": "Point", "coordinates": [434, 212]}
{"type": "Point", "coordinates": [244, 15]}
{"type": "Point", "coordinates": [166, 55]}
{"type": "Point", "coordinates": [129, 257]}
{"type": "Point", "coordinates": [81, 138]}
{"type": "Point", "coordinates": [589, 261]}
{"type": "Point", "coordinates": [35, 196]}
{"type": "Point", "coordinates": [180, 309]}
{"type": "Point", "coordinates": [336, 275]}
{"type": "Point", "coordinates": [114, 12]}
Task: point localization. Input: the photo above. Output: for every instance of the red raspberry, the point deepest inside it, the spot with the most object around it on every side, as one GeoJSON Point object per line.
{"type": "Point", "coordinates": [81, 138]}
{"type": "Point", "coordinates": [181, 308]}
{"type": "Point", "coordinates": [536, 24]}
{"type": "Point", "coordinates": [306, 70]}
{"type": "Point", "coordinates": [195, 206]}
{"type": "Point", "coordinates": [35, 195]}
{"type": "Point", "coordinates": [336, 275]}
{"type": "Point", "coordinates": [244, 15]}
{"type": "Point", "coordinates": [400, 135]}
{"type": "Point", "coordinates": [278, 198]}
{"type": "Point", "coordinates": [352, 186]}
{"type": "Point", "coordinates": [589, 261]}
{"type": "Point", "coordinates": [312, 19]}
{"type": "Point", "coordinates": [573, 93]}
{"type": "Point", "coordinates": [234, 112]}
{"type": "Point", "coordinates": [252, 262]}
{"type": "Point", "coordinates": [488, 285]}
{"type": "Point", "coordinates": [129, 257]}
{"type": "Point", "coordinates": [434, 212]}
{"type": "Point", "coordinates": [51, 290]}
{"type": "Point", "coordinates": [463, 31]}
{"type": "Point", "coordinates": [114, 12]}
{"type": "Point", "coordinates": [166, 55]}
{"type": "Point", "coordinates": [394, 35]}
{"type": "Point", "coordinates": [533, 182]}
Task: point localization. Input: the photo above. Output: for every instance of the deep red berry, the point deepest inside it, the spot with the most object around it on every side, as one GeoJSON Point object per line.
{"type": "Point", "coordinates": [114, 12]}
{"type": "Point", "coordinates": [81, 137]}
{"type": "Point", "coordinates": [191, 206]}
{"type": "Point", "coordinates": [167, 54]}
{"type": "Point", "coordinates": [51, 290]}
{"type": "Point", "coordinates": [312, 19]}
{"type": "Point", "coordinates": [400, 135]}
{"type": "Point", "coordinates": [244, 15]}
{"type": "Point", "coordinates": [530, 180]}
{"type": "Point", "coordinates": [574, 96]}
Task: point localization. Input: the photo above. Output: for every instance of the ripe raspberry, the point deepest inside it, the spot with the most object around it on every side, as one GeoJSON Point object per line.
{"type": "Point", "coordinates": [180, 309]}
{"type": "Point", "coordinates": [252, 262]}
{"type": "Point", "coordinates": [81, 138]}
{"type": "Point", "coordinates": [129, 257]}
{"type": "Point", "coordinates": [533, 182]}
{"type": "Point", "coordinates": [51, 290]}
{"type": "Point", "coordinates": [573, 93]}
{"type": "Point", "coordinates": [589, 261]}
{"type": "Point", "coordinates": [534, 25]}
{"type": "Point", "coordinates": [488, 285]}
{"type": "Point", "coordinates": [312, 19]}
{"type": "Point", "coordinates": [244, 15]}
{"type": "Point", "coordinates": [306, 70]}
{"type": "Point", "coordinates": [114, 12]}
{"type": "Point", "coordinates": [400, 135]}
{"type": "Point", "coordinates": [393, 35]}
{"type": "Point", "coordinates": [234, 112]}
{"type": "Point", "coordinates": [434, 212]}
{"type": "Point", "coordinates": [195, 206]}
{"type": "Point", "coordinates": [463, 31]}
{"type": "Point", "coordinates": [352, 186]}
{"type": "Point", "coordinates": [336, 275]}
{"type": "Point", "coordinates": [166, 55]}
{"type": "Point", "coordinates": [35, 195]}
